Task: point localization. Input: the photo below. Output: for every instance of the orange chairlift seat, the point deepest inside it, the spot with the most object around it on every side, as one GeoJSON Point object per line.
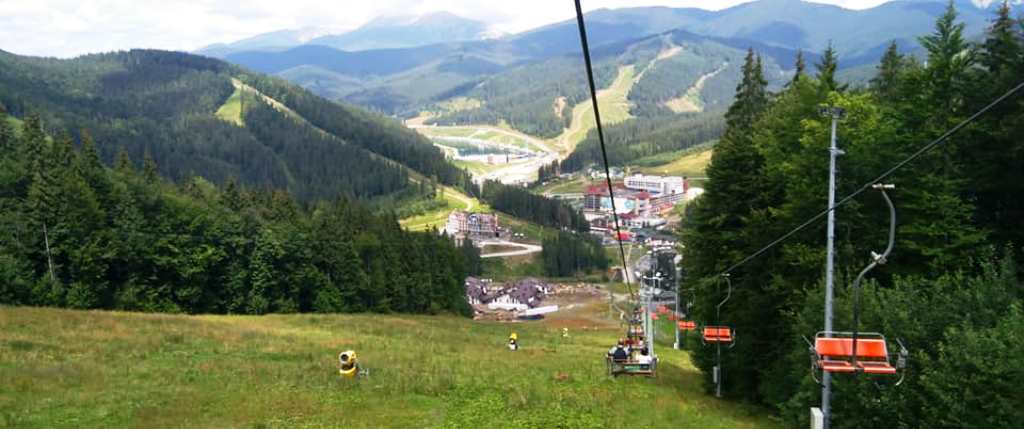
{"type": "Point", "coordinates": [860, 352]}
{"type": "Point", "coordinates": [687, 325]}
{"type": "Point", "coordinates": [835, 353]}
{"type": "Point", "coordinates": [718, 334]}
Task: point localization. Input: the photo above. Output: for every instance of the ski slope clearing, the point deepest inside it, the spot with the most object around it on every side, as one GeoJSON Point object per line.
{"type": "Point", "coordinates": [95, 369]}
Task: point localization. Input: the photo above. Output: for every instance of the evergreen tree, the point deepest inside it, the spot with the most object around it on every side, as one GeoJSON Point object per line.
{"type": "Point", "coordinates": [949, 58]}
{"type": "Point", "coordinates": [90, 167]}
{"type": "Point", "coordinates": [7, 135]}
{"type": "Point", "coordinates": [149, 169]}
{"type": "Point", "coordinates": [123, 164]}
{"type": "Point", "coordinates": [715, 226]}
{"type": "Point", "coordinates": [471, 253]}
{"type": "Point", "coordinates": [801, 68]}
{"type": "Point", "coordinates": [34, 148]}
{"type": "Point", "coordinates": [64, 154]}
{"type": "Point", "coordinates": [886, 82]}
{"type": "Point", "coordinates": [751, 96]}
{"type": "Point", "coordinates": [1002, 47]}
{"type": "Point", "coordinates": [827, 70]}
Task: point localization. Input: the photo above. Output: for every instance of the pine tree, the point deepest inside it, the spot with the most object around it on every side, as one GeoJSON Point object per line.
{"type": "Point", "coordinates": [949, 57]}
{"type": "Point", "coordinates": [149, 169]}
{"type": "Point", "coordinates": [1002, 47]}
{"type": "Point", "coordinates": [827, 70]}
{"type": "Point", "coordinates": [751, 96]}
{"type": "Point", "coordinates": [715, 225]}
{"type": "Point", "coordinates": [886, 82]}
{"type": "Point", "coordinates": [7, 135]}
{"type": "Point", "coordinates": [34, 148]}
{"type": "Point", "coordinates": [124, 162]}
{"type": "Point", "coordinates": [231, 197]}
{"type": "Point", "coordinates": [89, 157]}
{"type": "Point", "coordinates": [801, 68]}
{"type": "Point", "coordinates": [64, 154]}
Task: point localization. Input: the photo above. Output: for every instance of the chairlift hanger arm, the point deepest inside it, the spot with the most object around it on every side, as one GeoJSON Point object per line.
{"type": "Point", "coordinates": [876, 260]}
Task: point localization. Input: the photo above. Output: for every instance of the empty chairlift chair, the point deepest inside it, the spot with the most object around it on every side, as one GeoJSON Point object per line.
{"type": "Point", "coordinates": [860, 352]}
{"type": "Point", "coordinates": [835, 353]}
{"type": "Point", "coordinates": [718, 334]}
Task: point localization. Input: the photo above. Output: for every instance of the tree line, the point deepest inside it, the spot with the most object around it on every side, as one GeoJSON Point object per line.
{"type": "Point", "coordinates": [80, 235]}
{"type": "Point", "coordinates": [951, 290]}
{"type": "Point", "coordinates": [567, 253]}
{"type": "Point", "coordinates": [523, 204]}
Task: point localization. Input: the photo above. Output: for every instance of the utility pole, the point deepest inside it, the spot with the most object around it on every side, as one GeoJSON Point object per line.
{"type": "Point", "coordinates": [836, 114]}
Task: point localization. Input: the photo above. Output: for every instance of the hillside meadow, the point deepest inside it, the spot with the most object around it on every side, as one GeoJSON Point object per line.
{"type": "Point", "coordinates": [67, 368]}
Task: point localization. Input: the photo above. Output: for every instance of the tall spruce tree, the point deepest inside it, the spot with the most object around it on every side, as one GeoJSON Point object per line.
{"type": "Point", "coordinates": [7, 135]}
{"type": "Point", "coordinates": [827, 70]}
{"type": "Point", "coordinates": [1002, 47]}
{"type": "Point", "coordinates": [886, 82]}
{"type": "Point", "coordinates": [801, 67]}
{"type": "Point", "coordinates": [714, 230]}
{"type": "Point", "coordinates": [949, 58]}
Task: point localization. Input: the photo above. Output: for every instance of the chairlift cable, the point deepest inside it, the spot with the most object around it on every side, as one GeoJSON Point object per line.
{"type": "Point", "coordinates": [878, 179]}
{"type": "Point", "coordinates": [600, 137]}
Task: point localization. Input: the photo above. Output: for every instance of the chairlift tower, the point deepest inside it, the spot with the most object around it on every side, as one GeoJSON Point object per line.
{"type": "Point", "coordinates": [675, 268]}
{"type": "Point", "coordinates": [836, 114]}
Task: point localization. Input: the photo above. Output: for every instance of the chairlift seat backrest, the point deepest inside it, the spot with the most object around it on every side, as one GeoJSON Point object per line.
{"type": "Point", "coordinates": [717, 334]}
{"type": "Point", "coordinates": [835, 354]}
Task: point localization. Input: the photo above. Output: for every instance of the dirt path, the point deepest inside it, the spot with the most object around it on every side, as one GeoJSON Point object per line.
{"type": "Point", "coordinates": [526, 249]}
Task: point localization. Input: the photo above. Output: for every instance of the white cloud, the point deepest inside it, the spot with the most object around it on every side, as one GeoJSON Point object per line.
{"type": "Point", "coordinates": [66, 28]}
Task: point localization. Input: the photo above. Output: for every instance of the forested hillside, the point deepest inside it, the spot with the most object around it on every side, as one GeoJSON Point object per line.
{"type": "Point", "coordinates": [951, 290]}
{"type": "Point", "coordinates": [164, 104]}
{"type": "Point", "coordinates": [526, 97]}
{"type": "Point", "coordinates": [80, 235]}
{"type": "Point", "coordinates": [641, 137]}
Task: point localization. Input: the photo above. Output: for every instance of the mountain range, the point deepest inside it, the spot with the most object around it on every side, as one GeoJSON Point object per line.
{"type": "Point", "coordinates": [199, 116]}
{"type": "Point", "coordinates": [403, 81]}
{"type": "Point", "coordinates": [385, 32]}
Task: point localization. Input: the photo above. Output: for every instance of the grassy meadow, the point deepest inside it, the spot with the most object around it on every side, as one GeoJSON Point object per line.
{"type": "Point", "coordinates": [690, 163]}
{"type": "Point", "coordinates": [439, 218]}
{"type": "Point", "coordinates": [231, 110]}
{"type": "Point", "coordinates": [93, 369]}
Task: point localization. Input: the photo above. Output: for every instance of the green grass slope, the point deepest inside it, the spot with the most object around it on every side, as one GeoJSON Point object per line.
{"type": "Point", "coordinates": [231, 110]}
{"type": "Point", "coordinates": [64, 368]}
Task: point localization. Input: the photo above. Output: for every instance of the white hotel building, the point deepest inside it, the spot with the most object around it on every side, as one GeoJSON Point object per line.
{"type": "Point", "coordinates": [657, 185]}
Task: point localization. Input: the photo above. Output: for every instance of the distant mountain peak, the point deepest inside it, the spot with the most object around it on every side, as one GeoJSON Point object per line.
{"type": "Point", "coordinates": [403, 31]}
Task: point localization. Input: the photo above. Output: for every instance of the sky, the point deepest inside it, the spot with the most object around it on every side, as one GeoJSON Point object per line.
{"type": "Point", "coordinates": [66, 28]}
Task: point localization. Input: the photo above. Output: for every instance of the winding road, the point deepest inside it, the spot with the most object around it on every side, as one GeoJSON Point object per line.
{"type": "Point", "coordinates": [526, 248]}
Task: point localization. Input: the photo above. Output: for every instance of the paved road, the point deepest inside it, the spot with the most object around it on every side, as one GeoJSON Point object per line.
{"type": "Point", "coordinates": [526, 248]}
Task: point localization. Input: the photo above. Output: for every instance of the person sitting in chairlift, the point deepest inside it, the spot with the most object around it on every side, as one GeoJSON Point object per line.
{"type": "Point", "coordinates": [645, 357]}
{"type": "Point", "coordinates": [620, 354]}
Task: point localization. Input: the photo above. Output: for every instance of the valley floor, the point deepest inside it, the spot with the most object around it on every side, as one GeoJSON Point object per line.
{"type": "Point", "coordinates": [65, 368]}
